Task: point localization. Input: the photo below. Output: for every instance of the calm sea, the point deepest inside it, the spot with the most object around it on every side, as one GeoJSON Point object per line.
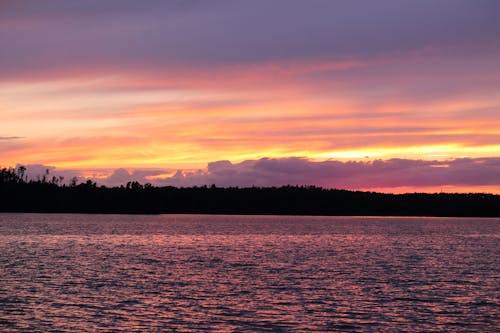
{"type": "Point", "coordinates": [196, 273]}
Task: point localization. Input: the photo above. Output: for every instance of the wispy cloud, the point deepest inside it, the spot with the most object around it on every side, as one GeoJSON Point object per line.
{"type": "Point", "coordinates": [210, 34]}
{"type": "Point", "coordinates": [102, 85]}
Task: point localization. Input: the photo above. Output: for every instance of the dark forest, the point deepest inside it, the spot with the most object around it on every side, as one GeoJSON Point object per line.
{"type": "Point", "coordinates": [49, 195]}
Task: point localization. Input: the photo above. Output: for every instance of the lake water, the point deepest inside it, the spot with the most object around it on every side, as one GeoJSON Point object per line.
{"type": "Point", "coordinates": [196, 273]}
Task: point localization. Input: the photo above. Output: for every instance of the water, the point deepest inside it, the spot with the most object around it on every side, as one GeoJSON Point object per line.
{"type": "Point", "coordinates": [111, 273]}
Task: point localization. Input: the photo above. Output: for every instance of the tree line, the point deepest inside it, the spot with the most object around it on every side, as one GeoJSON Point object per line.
{"type": "Point", "coordinates": [48, 194]}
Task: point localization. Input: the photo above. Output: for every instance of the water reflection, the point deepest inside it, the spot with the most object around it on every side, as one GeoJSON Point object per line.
{"type": "Point", "coordinates": [87, 273]}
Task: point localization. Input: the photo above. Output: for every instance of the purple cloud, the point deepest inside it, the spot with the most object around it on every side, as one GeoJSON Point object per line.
{"type": "Point", "coordinates": [337, 174]}
{"type": "Point", "coordinates": [38, 171]}
{"type": "Point", "coordinates": [300, 171]}
{"type": "Point", "coordinates": [122, 176]}
{"type": "Point", "coordinates": [160, 34]}
{"type": "Point", "coordinates": [115, 178]}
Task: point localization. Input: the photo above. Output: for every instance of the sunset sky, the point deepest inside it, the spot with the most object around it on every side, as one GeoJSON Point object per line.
{"type": "Point", "coordinates": [388, 95]}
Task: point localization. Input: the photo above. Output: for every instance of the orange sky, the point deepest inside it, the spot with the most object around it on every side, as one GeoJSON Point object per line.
{"type": "Point", "coordinates": [427, 101]}
{"type": "Point", "coordinates": [95, 122]}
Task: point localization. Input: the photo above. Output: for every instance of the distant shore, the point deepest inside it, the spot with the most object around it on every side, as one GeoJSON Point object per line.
{"type": "Point", "coordinates": [286, 200]}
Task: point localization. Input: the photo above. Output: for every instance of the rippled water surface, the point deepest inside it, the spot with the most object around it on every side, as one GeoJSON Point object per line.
{"type": "Point", "coordinates": [111, 273]}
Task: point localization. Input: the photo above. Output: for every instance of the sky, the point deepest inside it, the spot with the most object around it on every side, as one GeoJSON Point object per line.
{"type": "Point", "coordinates": [393, 95]}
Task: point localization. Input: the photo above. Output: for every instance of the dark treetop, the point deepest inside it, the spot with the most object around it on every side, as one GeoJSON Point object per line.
{"type": "Point", "coordinates": [47, 195]}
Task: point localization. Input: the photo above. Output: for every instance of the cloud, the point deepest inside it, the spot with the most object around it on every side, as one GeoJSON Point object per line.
{"type": "Point", "coordinates": [337, 174]}
{"type": "Point", "coordinates": [11, 138]}
{"type": "Point", "coordinates": [166, 34]}
{"type": "Point", "coordinates": [378, 174]}
{"type": "Point", "coordinates": [38, 171]}
{"type": "Point", "coordinates": [115, 177]}
{"type": "Point", "coordinates": [122, 176]}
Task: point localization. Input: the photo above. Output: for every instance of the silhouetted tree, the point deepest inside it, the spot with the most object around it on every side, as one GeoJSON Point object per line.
{"type": "Point", "coordinates": [73, 181]}
{"type": "Point", "coordinates": [43, 196]}
{"type": "Point", "coordinates": [20, 171]}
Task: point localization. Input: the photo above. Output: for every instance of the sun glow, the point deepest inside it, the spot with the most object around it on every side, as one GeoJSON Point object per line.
{"type": "Point", "coordinates": [137, 110]}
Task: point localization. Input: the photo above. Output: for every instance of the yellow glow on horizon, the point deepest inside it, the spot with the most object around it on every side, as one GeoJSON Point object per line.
{"type": "Point", "coordinates": [430, 152]}
{"type": "Point", "coordinates": [434, 189]}
{"type": "Point", "coordinates": [191, 117]}
{"type": "Point", "coordinates": [134, 155]}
